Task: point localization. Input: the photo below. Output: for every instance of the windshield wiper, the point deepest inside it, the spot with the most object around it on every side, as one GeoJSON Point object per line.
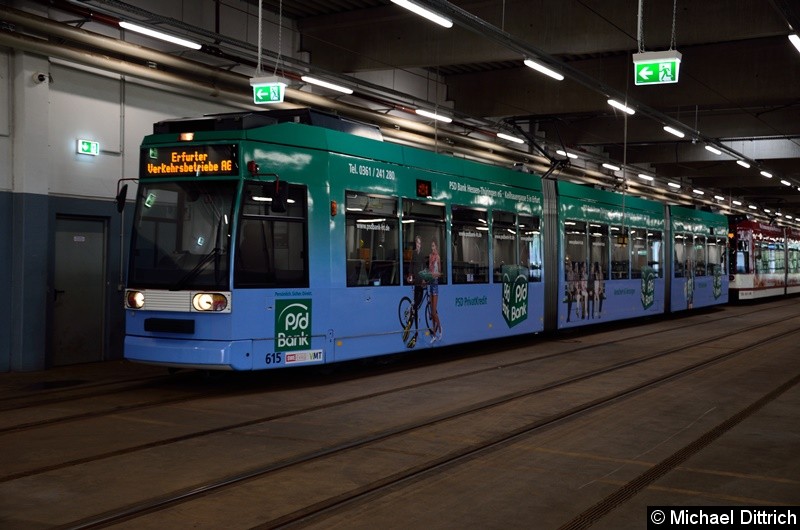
{"type": "Point", "coordinates": [189, 276]}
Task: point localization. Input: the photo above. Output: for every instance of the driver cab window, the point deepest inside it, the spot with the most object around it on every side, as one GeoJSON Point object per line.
{"type": "Point", "coordinates": [272, 249]}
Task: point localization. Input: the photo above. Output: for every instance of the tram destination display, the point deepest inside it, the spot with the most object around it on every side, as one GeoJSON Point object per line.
{"type": "Point", "coordinates": [189, 160]}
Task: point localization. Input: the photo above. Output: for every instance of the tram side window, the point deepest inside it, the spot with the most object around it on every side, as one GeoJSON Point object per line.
{"type": "Point", "coordinates": [638, 251]}
{"type": "Point", "coordinates": [272, 246]}
{"type": "Point", "coordinates": [530, 246]}
{"type": "Point", "coordinates": [716, 256]}
{"type": "Point", "coordinates": [575, 251]}
{"type": "Point", "coordinates": [470, 239]}
{"type": "Point", "coordinates": [423, 225]}
{"type": "Point", "coordinates": [598, 251]}
{"type": "Point", "coordinates": [793, 257]}
{"type": "Point", "coordinates": [742, 253]}
{"type": "Point", "coordinates": [620, 259]}
{"type": "Point", "coordinates": [504, 242]}
{"type": "Point", "coordinates": [684, 255]}
{"type": "Point", "coordinates": [655, 246]}
{"type": "Point", "coordinates": [699, 255]}
{"type": "Point", "coordinates": [772, 257]}
{"type": "Point", "coordinates": [372, 239]}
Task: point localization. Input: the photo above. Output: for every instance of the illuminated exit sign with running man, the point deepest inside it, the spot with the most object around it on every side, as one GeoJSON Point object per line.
{"type": "Point", "coordinates": [656, 68]}
{"type": "Point", "coordinates": [268, 90]}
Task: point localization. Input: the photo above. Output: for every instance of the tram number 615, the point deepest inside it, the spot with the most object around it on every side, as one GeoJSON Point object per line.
{"type": "Point", "coordinates": [274, 358]}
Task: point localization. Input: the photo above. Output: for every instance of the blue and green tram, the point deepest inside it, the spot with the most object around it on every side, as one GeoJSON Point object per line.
{"type": "Point", "coordinates": [285, 238]}
{"type": "Point", "coordinates": [263, 242]}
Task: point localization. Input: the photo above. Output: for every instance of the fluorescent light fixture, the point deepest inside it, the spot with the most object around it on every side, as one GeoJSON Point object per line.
{"type": "Point", "coordinates": [566, 154]}
{"type": "Point", "coordinates": [767, 210]}
{"type": "Point", "coordinates": [789, 216]}
{"type": "Point", "coordinates": [433, 115]}
{"type": "Point", "coordinates": [743, 163]}
{"type": "Point", "coordinates": [766, 174]}
{"type": "Point", "coordinates": [676, 132]}
{"type": "Point", "coordinates": [786, 183]}
{"type": "Point", "coordinates": [425, 13]}
{"type": "Point", "coordinates": [698, 192]}
{"type": "Point", "coordinates": [510, 138]}
{"type": "Point", "coordinates": [719, 197]}
{"type": "Point", "coordinates": [320, 82]}
{"type": "Point", "coordinates": [530, 63]}
{"type": "Point", "coordinates": [713, 149]}
{"type": "Point", "coordinates": [621, 106]}
{"type": "Point", "coordinates": [752, 206]}
{"type": "Point", "coordinates": [737, 203]}
{"type": "Point", "coordinates": [645, 177]}
{"type": "Point", "coordinates": [794, 39]}
{"type": "Point", "coordinates": [611, 167]}
{"type": "Point", "coordinates": [674, 185]}
{"type": "Point", "coordinates": [159, 35]}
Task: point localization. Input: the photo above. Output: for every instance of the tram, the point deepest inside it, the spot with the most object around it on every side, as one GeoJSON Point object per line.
{"type": "Point", "coordinates": [764, 259]}
{"type": "Point", "coordinates": [283, 238]}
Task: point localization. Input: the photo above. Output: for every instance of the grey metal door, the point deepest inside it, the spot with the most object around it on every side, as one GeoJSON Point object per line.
{"type": "Point", "coordinates": [79, 290]}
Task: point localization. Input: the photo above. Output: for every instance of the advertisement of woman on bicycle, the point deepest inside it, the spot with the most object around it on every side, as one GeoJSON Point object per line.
{"type": "Point", "coordinates": [424, 274]}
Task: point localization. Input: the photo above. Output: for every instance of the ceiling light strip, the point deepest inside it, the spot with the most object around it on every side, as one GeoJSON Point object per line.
{"type": "Point", "coordinates": [433, 115]}
{"type": "Point", "coordinates": [425, 13]}
{"type": "Point", "coordinates": [159, 35]}
{"type": "Point", "coordinates": [530, 63]}
{"type": "Point", "coordinates": [326, 84]}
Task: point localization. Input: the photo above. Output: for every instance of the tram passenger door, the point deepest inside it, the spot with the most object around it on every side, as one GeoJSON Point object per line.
{"type": "Point", "coordinates": [78, 291]}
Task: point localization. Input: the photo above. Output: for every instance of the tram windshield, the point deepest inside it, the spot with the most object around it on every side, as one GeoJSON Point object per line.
{"type": "Point", "coordinates": [181, 235]}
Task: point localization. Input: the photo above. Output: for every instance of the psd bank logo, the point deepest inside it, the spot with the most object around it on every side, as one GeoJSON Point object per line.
{"type": "Point", "coordinates": [292, 325]}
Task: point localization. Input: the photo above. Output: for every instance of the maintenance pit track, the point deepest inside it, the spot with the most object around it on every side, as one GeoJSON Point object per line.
{"type": "Point", "coordinates": [553, 432]}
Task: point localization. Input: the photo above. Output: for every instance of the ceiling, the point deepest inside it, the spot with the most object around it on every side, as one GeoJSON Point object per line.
{"type": "Point", "coordinates": [739, 81]}
{"type": "Point", "coordinates": [739, 85]}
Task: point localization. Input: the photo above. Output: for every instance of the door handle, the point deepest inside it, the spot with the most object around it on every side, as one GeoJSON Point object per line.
{"type": "Point", "coordinates": [57, 292]}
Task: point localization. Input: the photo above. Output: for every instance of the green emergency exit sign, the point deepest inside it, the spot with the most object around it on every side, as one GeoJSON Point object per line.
{"type": "Point", "coordinates": [268, 90]}
{"type": "Point", "coordinates": [271, 93]}
{"type": "Point", "coordinates": [656, 68]}
{"type": "Point", "coordinates": [88, 147]}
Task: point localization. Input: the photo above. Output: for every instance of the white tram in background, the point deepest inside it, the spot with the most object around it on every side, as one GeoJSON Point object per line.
{"type": "Point", "coordinates": [764, 260]}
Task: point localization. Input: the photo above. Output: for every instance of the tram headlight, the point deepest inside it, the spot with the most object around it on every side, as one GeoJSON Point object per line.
{"type": "Point", "coordinates": [134, 299]}
{"type": "Point", "coordinates": [209, 302]}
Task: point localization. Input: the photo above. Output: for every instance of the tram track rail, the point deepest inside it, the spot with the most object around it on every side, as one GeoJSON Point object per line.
{"type": "Point", "coordinates": [7, 404]}
{"type": "Point", "coordinates": [367, 491]}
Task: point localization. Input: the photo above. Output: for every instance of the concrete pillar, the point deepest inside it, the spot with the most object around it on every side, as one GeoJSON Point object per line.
{"type": "Point", "coordinates": [30, 234]}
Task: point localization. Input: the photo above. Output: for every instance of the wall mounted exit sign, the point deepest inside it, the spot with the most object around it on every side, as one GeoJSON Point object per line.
{"type": "Point", "coordinates": [88, 147]}
{"type": "Point", "coordinates": [656, 68]}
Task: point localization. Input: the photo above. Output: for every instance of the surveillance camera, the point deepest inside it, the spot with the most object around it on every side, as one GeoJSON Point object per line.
{"type": "Point", "coordinates": [39, 77]}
